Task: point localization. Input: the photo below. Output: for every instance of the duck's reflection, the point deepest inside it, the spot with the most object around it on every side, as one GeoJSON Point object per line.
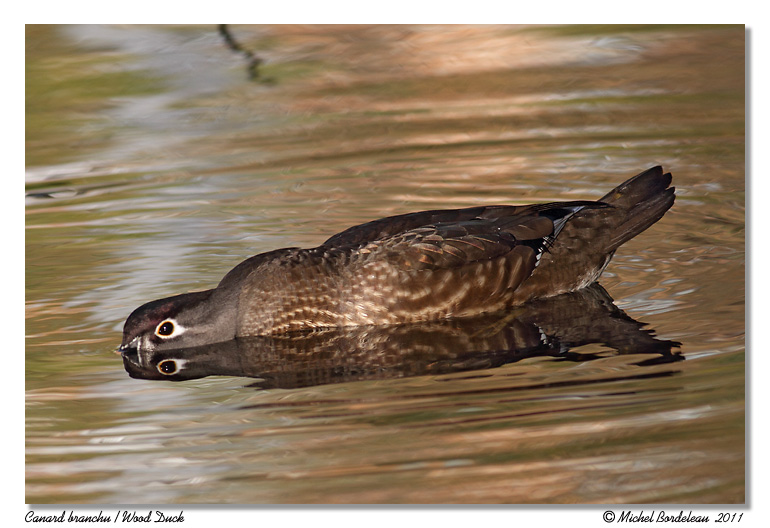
{"type": "Point", "coordinates": [548, 327]}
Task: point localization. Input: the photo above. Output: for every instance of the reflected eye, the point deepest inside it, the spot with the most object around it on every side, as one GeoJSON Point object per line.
{"type": "Point", "coordinates": [168, 366]}
{"type": "Point", "coordinates": [165, 329]}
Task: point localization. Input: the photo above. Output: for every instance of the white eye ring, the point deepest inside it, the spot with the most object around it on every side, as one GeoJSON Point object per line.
{"type": "Point", "coordinates": [173, 366]}
{"type": "Point", "coordinates": [168, 328]}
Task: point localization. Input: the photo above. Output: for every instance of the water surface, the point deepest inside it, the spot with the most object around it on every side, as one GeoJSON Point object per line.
{"type": "Point", "coordinates": [154, 165]}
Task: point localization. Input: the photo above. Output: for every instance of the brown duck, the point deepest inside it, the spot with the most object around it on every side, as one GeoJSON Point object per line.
{"type": "Point", "coordinates": [409, 268]}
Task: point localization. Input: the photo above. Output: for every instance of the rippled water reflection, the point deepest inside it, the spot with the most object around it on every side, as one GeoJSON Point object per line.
{"type": "Point", "coordinates": [549, 327]}
{"type": "Point", "coordinates": [154, 165]}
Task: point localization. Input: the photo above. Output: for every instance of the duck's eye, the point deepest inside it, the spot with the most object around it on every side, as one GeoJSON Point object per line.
{"type": "Point", "coordinates": [168, 366]}
{"type": "Point", "coordinates": [165, 329]}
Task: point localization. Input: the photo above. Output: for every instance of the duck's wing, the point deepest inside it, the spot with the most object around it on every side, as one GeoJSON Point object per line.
{"type": "Point", "coordinates": [524, 233]}
{"type": "Point", "coordinates": [399, 224]}
{"type": "Point", "coordinates": [393, 226]}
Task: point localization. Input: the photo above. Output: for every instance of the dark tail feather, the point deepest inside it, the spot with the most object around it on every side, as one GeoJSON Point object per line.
{"type": "Point", "coordinates": [646, 197]}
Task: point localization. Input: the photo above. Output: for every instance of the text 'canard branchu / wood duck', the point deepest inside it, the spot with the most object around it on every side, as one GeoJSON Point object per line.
{"type": "Point", "coordinates": [410, 268]}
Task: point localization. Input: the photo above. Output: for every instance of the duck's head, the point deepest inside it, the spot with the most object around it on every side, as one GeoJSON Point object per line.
{"type": "Point", "coordinates": [181, 321]}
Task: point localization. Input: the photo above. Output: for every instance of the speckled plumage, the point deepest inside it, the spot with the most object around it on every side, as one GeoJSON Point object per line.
{"type": "Point", "coordinates": [414, 267]}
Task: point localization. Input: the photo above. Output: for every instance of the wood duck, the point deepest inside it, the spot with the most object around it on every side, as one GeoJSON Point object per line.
{"type": "Point", "coordinates": [409, 268]}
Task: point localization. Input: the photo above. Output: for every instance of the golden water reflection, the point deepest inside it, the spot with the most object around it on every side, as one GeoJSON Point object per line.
{"type": "Point", "coordinates": [154, 166]}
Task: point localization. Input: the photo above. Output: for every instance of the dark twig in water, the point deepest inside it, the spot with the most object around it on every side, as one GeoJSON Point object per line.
{"type": "Point", "coordinates": [253, 60]}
